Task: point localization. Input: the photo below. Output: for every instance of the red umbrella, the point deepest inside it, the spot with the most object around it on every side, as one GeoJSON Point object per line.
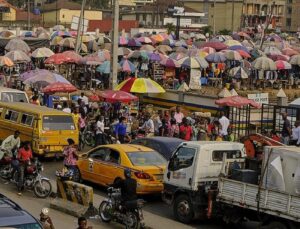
{"type": "Point", "coordinates": [243, 53]}
{"type": "Point", "coordinates": [65, 57]}
{"type": "Point", "coordinates": [216, 45]}
{"type": "Point", "coordinates": [237, 101]}
{"type": "Point", "coordinates": [59, 87]}
{"type": "Point", "coordinates": [115, 96]}
{"type": "Point", "coordinates": [94, 98]}
{"type": "Point", "coordinates": [279, 57]}
{"type": "Point", "coordinates": [289, 52]}
{"type": "Point", "coordinates": [57, 58]}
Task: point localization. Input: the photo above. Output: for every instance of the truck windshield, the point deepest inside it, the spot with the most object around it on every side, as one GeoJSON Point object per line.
{"type": "Point", "coordinates": [183, 158]}
{"type": "Point", "coordinates": [58, 122]}
{"type": "Point", "coordinates": [13, 97]}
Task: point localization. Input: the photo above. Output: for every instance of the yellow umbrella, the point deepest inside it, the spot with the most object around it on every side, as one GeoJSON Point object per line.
{"type": "Point", "coordinates": [5, 61]}
{"type": "Point", "coordinates": [232, 43]}
{"type": "Point", "coordinates": [140, 85]}
{"type": "Point", "coordinates": [56, 40]}
{"type": "Point", "coordinates": [203, 54]}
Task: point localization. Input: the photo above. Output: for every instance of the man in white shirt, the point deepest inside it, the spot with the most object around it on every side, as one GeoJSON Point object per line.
{"type": "Point", "coordinates": [100, 131]}
{"type": "Point", "coordinates": [148, 127]}
{"type": "Point", "coordinates": [66, 108]}
{"type": "Point", "coordinates": [224, 121]}
{"type": "Point", "coordinates": [11, 143]}
{"type": "Point", "coordinates": [178, 115]}
{"type": "Point", "coordinates": [85, 99]}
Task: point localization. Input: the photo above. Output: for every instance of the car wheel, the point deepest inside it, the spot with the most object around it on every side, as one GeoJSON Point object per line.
{"type": "Point", "coordinates": [182, 209]}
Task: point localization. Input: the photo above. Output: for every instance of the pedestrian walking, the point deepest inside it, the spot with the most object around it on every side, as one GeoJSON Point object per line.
{"type": "Point", "coordinates": [185, 130]}
{"type": "Point", "coordinates": [286, 129]}
{"type": "Point", "coordinates": [224, 122]}
{"type": "Point", "coordinates": [70, 154]}
{"type": "Point", "coordinates": [100, 130]}
{"type": "Point", "coordinates": [45, 219]}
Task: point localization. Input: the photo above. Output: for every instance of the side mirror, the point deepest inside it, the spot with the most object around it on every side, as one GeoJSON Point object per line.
{"type": "Point", "coordinates": [168, 175]}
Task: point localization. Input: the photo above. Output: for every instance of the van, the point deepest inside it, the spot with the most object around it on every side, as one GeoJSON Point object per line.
{"type": "Point", "coordinates": [13, 95]}
{"type": "Point", "coordinates": [48, 129]}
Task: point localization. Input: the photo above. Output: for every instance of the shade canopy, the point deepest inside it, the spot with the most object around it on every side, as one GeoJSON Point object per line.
{"type": "Point", "coordinates": [237, 101]}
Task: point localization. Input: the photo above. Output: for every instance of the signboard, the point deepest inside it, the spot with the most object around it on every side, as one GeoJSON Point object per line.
{"type": "Point", "coordinates": [75, 22]}
{"type": "Point", "coordinates": [184, 22]}
{"type": "Point", "coordinates": [195, 79]}
{"type": "Point", "coordinates": [178, 11]}
{"type": "Point", "coordinates": [262, 98]}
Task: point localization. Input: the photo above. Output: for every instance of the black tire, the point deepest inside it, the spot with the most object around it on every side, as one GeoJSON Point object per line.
{"type": "Point", "coordinates": [275, 225]}
{"type": "Point", "coordinates": [5, 172]}
{"type": "Point", "coordinates": [105, 209]}
{"type": "Point", "coordinates": [132, 221]}
{"type": "Point", "coordinates": [40, 190]}
{"type": "Point", "coordinates": [182, 209]}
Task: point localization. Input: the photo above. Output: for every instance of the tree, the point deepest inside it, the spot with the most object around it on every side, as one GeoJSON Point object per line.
{"type": "Point", "coordinates": [207, 29]}
{"type": "Point", "coordinates": [170, 27]}
{"type": "Point", "coordinates": [224, 32]}
{"type": "Point", "coordinates": [17, 3]}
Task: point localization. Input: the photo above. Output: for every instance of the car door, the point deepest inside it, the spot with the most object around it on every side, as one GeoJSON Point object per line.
{"type": "Point", "coordinates": [92, 166]}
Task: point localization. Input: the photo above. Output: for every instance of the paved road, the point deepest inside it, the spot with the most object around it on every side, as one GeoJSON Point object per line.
{"type": "Point", "coordinates": [156, 213]}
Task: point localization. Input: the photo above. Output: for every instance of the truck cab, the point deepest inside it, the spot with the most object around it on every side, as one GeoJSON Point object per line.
{"type": "Point", "coordinates": [193, 170]}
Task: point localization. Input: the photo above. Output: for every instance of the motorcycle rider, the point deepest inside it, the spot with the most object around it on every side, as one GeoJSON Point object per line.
{"type": "Point", "coordinates": [10, 144]}
{"type": "Point", "coordinates": [24, 156]}
{"type": "Point", "coordinates": [128, 186]}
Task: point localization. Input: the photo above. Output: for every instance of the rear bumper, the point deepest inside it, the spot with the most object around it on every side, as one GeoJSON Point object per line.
{"type": "Point", "coordinates": [149, 188]}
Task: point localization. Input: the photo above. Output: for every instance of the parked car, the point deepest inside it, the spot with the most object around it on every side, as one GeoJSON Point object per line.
{"type": "Point", "coordinates": [13, 216]}
{"type": "Point", "coordinates": [164, 145]}
{"type": "Point", "coordinates": [105, 164]}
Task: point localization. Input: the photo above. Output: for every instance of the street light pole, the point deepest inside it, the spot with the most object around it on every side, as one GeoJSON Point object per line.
{"type": "Point", "coordinates": [80, 25]}
{"type": "Point", "coordinates": [114, 61]}
{"type": "Point", "coordinates": [214, 18]}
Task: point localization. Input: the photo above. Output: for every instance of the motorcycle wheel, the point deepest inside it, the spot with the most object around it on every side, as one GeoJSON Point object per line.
{"type": "Point", "coordinates": [5, 172]}
{"type": "Point", "coordinates": [105, 209]}
{"type": "Point", "coordinates": [42, 189]}
{"type": "Point", "coordinates": [132, 221]}
{"type": "Point", "coordinates": [89, 138]}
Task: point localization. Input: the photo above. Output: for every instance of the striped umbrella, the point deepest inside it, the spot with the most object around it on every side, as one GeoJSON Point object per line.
{"type": "Point", "coordinates": [127, 66]}
{"type": "Point", "coordinates": [139, 54]}
{"type": "Point", "coordinates": [264, 63]}
{"type": "Point", "coordinates": [217, 57]}
{"type": "Point", "coordinates": [18, 56]}
{"type": "Point", "coordinates": [232, 55]}
{"type": "Point", "coordinates": [170, 63]}
{"type": "Point", "coordinates": [140, 85]}
{"type": "Point", "coordinates": [239, 72]}
{"type": "Point", "coordinates": [192, 62]}
{"type": "Point", "coordinates": [42, 52]}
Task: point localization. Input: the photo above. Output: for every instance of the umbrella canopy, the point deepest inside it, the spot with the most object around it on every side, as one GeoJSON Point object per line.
{"type": "Point", "coordinates": [65, 57]}
{"type": "Point", "coordinates": [215, 45]}
{"type": "Point", "coordinates": [147, 48]}
{"type": "Point", "coordinates": [246, 64]}
{"type": "Point", "coordinates": [140, 85]}
{"type": "Point", "coordinates": [237, 101]}
{"type": "Point", "coordinates": [117, 96]}
{"type": "Point", "coordinates": [208, 50]}
{"type": "Point", "coordinates": [230, 43]}
{"type": "Point", "coordinates": [232, 55]}
{"type": "Point", "coordinates": [18, 56]}
{"type": "Point", "coordinates": [127, 66]}
{"type": "Point", "coordinates": [58, 28]}
{"type": "Point", "coordinates": [243, 34]}
{"type": "Point", "coordinates": [200, 36]}
{"type": "Point", "coordinates": [181, 50]}
{"type": "Point", "coordinates": [59, 87]}
{"type": "Point", "coordinates": [170, 63]}
{"type": "Point", "coordinates": [68, 42]}
{"type": "Point", "coordinates": [177, 56]}
{"type": "Point", "coordinates": [60, 34]}
{"type": "Point", "coordinates": [33, 73]}
{"type": "Point", "coordinates": [145, 40]}
{"type": "Point", "coordinates": [139, 54]}
{"type": "Point", "coordinates": [94, 98]}
{"type": "Point", "coordinates": [168, 41]}
{"type": "Point", "coordinates": [193, 62]}
{"type": "Point", "coordinates": [197, 53]}
{"type": "Point", "coordinates": [91, 59]}
{"type": "Point", "coordinates": [295, 60]}
{"type": "Point", "coordinates": [134, 43]}
{"type": "Point", "coordinates": [103, 54]}
{"type": "Point", "coordinates": [255, 53]}
{"type": "Point", "coordinates": [164, 48]}
{"type": "Point", "coordinates": [217, 57]}
{"type": "Point", "coordinates": [181, 43]}
{"type": "Point", "coordinates": [272, 50]}
{"type": "Point", "coordinates": [289, 52]}
{"type": "Point", "coordinates": [55, 41]}
{"type": "Point", "coordinates": [6, 34]}
{"type": "Point", "coordinates": [42, 52]}
{"type": "Point", "coordinates": [17, 44]}
{"type": "Point", "coordinates": [46, 79]}
{"type": "Point", "coordinates": [264, 63]}
{"type": "Point", "coordinates": [279, 57]}
{"type": "Point", "coordinates": [154, 57]}
{"type": "Point", "coordinates": [104, 68]}
{"type": "Point", "coordinates": [280, 64]}
{"type": "Point", "coordinates": [123, 40]}
{"type": "Point", "coordinates": [238, 47]}
{"type": "Point", "coordinates": [244, 54]}
{"type": "Point", "coordinates": [239, 72]}
{"type": "Point", "coordinates": [122, 51]}
{"type": "Point", "coordinates": [5, 61]}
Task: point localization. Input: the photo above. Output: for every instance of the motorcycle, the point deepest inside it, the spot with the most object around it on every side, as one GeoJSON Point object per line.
{"type": "Point", "coordinates": [129, 213]}
{"type": "Point", "coordinates": [33, 180]}
{"type": "Point", "coordinates": [6, 163]}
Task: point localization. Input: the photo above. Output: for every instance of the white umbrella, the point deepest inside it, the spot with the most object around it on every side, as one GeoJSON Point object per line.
{"type": "Point", "coordinates": [264, 63]}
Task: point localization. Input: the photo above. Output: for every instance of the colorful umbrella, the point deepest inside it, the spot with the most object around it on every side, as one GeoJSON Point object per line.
{"type": "Point", "coordinates": [272, 50]}
{"type": "Point", "coordinates": [232, 55]}
{"type": "Point", "coordinates": [145, 40]}
{"type": "Point", "coordinates": [181, 43]}
{"type": "Point", "coordinates": [139, 54]}
{"type": "Point", "coordinates": [6, 34]}
{"type": "Point", "coordinates": [164, 48]}
{"type": "Point", "coordinates": [280, 64]}
{"type": "Point", "coordinates": [279, 57]}
{"type": "Point", "coordinates": [65, 57]}
{"type": "Point", "coordinates": [149, 48]}
{"type": "Point", "coordinates": [295, 60]}
{"type": "Point", "coordinates": [5, 61]}
{"type": "Point", "coordinates": [55, 41]}
{"type": "Point", "coordinates": [17, 44]}
{"type": "Point", "coordinates": [42, 52]}
{"type": "Point", "coordinates": [122, 51]}
{"type": "Point", "coordinates": [192, 62]}
{"type": "Point", "coordinates": [289, 52]}
{"type": "Point", "coordinates": [230, 43]}
{"type": "Point", "coordinates": [134, 43]}
{"type": "Point", "coordinates": [244, 54]}
{"type": "Point", "coordinates": [104, 68]}
{"type": "Point", "coordinates": [28, 34]}
{"type": "Point", "coordinates": [72, 57]}
{"type": "Point", "coordinates": [239, 72]}
{"type": "Point", "coordinates": [170, 63]}
{"type": "Point", "coordinates": [155, 57]}
{"type": "Point", "coordinates": [169, 42]}
{"type": "Point", "coordinates": [255, 53]}
{"type": "Point", "coordinates": [46, 79]}
{"type": "Point", "coordinates": [208, 50]}
{"type": "Point", "coordinates": [238, 47]}
{"type": "Point", "coordinates": [264, 63]}
{"type": "Point", "coordinates": [103, 54]}
{"type": "Point", "coordinates": [177, 56]}
{"type": "Point", "coordinates": [37, 72]}
{"type": "Point", "coordinates": [18, 56]}
{"type": "Point", "coordinates": [237, 101]}
{"type": "Point", "coordinates": [181, 50]}
{"type": "Point", "coordinates": [59, 87]}
{"type": "Point", "coordinates": [123, 40]}
{"type": "Point", "coordinates": [60, 34]}
{"type": "Point", "coordinates": [117, 96]}
{"type": "Point", "coordinates": [217, 57]}
{"type": "Point", "coordinates": [127, 66]}
{"type": "Point", "coordinates": [197, 53]}
{"type": "Point", "coordinates": [215, 45]}
{"type": "Point", "coordinates": [140, 85]}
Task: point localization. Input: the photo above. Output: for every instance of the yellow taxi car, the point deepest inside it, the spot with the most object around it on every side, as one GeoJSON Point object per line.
{"type": "Point", "coordinates": [105, 164]}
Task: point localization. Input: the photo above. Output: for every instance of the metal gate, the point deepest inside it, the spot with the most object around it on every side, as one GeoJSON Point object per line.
{"type": "Point", "coordinates": [239, 121]}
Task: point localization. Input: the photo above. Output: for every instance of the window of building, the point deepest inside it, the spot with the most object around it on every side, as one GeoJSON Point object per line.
{"type": "Point", "coordinates": [144, 17]}
{"type": "Point", "coordinates": [289, 10]}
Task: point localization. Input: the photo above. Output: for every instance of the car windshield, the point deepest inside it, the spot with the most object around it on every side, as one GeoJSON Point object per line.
{"type": "Point", "coordinates": [146, 158]}
{"type": "Point", "coordinates": [27, 226]}
{"type": "Point", "coordinates": [58, 122]}
{"type": "Point", "coordinates": [13, 97]}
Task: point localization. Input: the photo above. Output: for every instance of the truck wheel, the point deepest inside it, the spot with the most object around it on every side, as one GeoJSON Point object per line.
{"type": "Point", "coordinates": [182, 209]}
{"type": "Point", "coordinates": [276, 225]}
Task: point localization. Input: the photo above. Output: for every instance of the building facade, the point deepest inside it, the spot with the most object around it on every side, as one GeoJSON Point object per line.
{"type": "Point", "coordinates": [7, 12]}
{"type": "Point", "coordinates": [292, 16]}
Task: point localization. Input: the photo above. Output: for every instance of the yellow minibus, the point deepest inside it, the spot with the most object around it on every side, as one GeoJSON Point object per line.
{"type": "Point", "coordinates": [48, 129]}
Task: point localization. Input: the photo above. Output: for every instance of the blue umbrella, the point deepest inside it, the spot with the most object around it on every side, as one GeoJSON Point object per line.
{"type": "Point", "coordinates": [104, 68]}
{"type": "Point", "coordinates": [154, 57]}
{"type": "Point", "coordinates": [127, 66]}
{"type": "Point", "coordinates": [216, 57]}
{"type": "Point", "coordinates": [134, 43]}
{"type": "Point", "coordinates": [239, 47]}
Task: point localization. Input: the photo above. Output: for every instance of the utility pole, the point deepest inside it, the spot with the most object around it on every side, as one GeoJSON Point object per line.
{"type": "Point", "coordinates": [214, 18]}
{"type": "Point", "coordinates": [268, 21]}
{"type": "Point", "coordinates": [232, 16]}
{"type": "Point", "coordinates": [56, 13]}
{"type": "Point", "coordinates": [80, 26]}
{"type": "Point", "coordinates": [114, 61]}
{"type": "Point", "coordinates": [28, 12]}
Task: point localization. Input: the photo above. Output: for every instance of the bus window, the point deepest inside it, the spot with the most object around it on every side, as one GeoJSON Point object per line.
{"type": "Point", "coordinates": [27, 119]}
{"type": "Point", "coordinates": [58, 122]}
{"type": "Point", "coordinates": [11, 115]}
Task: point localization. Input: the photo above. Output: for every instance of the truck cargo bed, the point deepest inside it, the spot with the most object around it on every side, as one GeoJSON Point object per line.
{"type": "Point", "coordinates": [271, 202]}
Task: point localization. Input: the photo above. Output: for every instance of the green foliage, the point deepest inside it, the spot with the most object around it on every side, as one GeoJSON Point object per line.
{"type": "Point", "coordinates": [224, 32]}
{"type": "Point", "coordinates": [16, 3]}
{"type": "Point", "coordinates": [170, 27]}
{"type": "Point", "coordinates": [207, 29]}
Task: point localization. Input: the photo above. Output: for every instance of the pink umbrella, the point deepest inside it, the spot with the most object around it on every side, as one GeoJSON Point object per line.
{"type": "Point", "coordinates": [117, 96]}
{"type": "Point", "coordinates": [237, 101]}
{"type": "Point", "coordinates": [216, 45]}
{"type": "Point", "coordinates": [279, 57]}
{"type": "Point", "coordinates": [59, 87]}
{"type": "Point", "coordinates": [145, 40]}
{"type": "Point", "coordinates": [127, 66]}
{"type": "Point", "coordinates": [280, 64]}
{"type": "Point", "coordinates": [209, 50]}
{"type": "Point", "coordinates": [123, 40]}
{"type": "Point", "coordinates": [289, 52]}
{"type": "Point", "coordinates": [243, 54]}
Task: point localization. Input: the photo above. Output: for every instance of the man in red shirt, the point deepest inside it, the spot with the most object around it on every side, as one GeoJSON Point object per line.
{"type": "Point", "coordinates": [24, 156]}
{"type": "Point", "coordinates": [185, 130]}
